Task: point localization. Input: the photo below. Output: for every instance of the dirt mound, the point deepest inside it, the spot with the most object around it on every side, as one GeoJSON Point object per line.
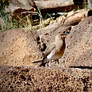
{"type": "Point", "coordinates": [48, 33]}
{"type": "Point", "coordinates": [18, 47]}
{"type": "Point", "coordinates": [21, 47]}
{"type": "Point", "coordinates": [17, 79]}
{"type": "Point", "coordinates": [79, 49]}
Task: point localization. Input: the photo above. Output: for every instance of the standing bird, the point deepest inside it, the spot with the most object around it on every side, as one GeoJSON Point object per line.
{"type": "Point", "coordinates": [55, 51]}
{"type": "Point", "coordinates": [59, 47]}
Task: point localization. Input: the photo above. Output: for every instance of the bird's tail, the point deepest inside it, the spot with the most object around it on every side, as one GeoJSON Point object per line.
{"type": "Point", "coordinates": [42, 61]}
{"type": "Point", "coordinates": [37, 61]}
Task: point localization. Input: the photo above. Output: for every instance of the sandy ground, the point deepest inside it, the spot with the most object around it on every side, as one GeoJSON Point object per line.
{"type": "Point", "coordinates": [20, 47]}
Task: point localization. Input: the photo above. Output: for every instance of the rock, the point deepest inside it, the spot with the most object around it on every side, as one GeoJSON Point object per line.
{"type": "Point", "coordinates": [58, 5]}
{"type": "Point", "coordinates": [28, 79]}
{"type": "Point", "coordinates": [19, 4]}
{"type": "Point", "coordinates": [78, 52]}
{"type": "Point", "coordinates": [18, 47]}
{"type": "Point", "coordinates": [48, 33]}
{"type": "Point", "coordinates": [44, 5]}
{"type": "Point", "coordinates": [47, 4]}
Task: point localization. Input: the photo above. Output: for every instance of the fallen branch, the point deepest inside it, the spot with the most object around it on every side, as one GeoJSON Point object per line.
{"type": "Point", "coordinates": [76, 17]}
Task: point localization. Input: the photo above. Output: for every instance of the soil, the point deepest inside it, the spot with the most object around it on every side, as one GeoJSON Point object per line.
{"type": "Point", "coordinates": [26, 79]}
{"type": "Point", "coordinates": [19, 48]}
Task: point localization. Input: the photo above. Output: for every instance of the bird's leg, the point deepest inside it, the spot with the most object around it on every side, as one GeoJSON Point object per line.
{"type": "Point", "coordinates": [48, 64]}
{"type": "Point", "coordinates": [57, 60]}
{"type": "Point", "coordinates": [44, 62]}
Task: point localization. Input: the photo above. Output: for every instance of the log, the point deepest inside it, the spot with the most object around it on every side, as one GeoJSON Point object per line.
{"type": "Point", "coordinates": [53, 3]}
{"type": "Point", "coordinates": [42, 4]}
{"type": "Point", "coordinates": [76, 17]}
{"type": "Point", "coordinates": [59, 5]}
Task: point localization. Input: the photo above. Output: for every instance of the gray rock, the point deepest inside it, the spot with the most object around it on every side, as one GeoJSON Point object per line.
{"type": "Point", "coordinates": [78, 51]}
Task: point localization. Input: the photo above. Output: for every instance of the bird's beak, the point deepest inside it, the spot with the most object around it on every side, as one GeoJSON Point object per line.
{"type": "Point", "coordinates": [64, 35]}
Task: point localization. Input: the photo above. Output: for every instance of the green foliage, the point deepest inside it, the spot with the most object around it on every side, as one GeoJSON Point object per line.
{"type": "Point", "coordinates": [8, 21]}
{"type": "Point", "coordinates": [3, 15]}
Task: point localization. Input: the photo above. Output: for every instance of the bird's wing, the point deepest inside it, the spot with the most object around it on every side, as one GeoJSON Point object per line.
{"type": "Point", "coordinates": [47, 52]}
{"type": "Point", "coordinates": [51, 54]}
{"type": "Point", "coordinates": [49, 49]}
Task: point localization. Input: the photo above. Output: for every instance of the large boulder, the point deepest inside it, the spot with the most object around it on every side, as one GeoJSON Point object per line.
{"type": "Point", "coordinates": [27, 79]}
{"type": "Point", "coordinates": [18, 47]}
{"type": "Point", "coordinates": [78, 52]}
{"type": "Point", "coordinates": [48, 33]}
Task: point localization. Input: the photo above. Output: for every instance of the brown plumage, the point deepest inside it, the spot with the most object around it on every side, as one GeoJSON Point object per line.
{"type": "Point", "coordinates": [59, 47]}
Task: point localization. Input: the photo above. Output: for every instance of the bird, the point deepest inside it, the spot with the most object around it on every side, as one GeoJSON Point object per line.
{"type": "Point", "coordinates": [55, 51]}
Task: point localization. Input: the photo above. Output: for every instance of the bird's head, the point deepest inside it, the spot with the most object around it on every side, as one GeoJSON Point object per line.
{"type": "Point", "coordinates": [60, 37]}
{"type": "Point", "coordinates": [63, 36]}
